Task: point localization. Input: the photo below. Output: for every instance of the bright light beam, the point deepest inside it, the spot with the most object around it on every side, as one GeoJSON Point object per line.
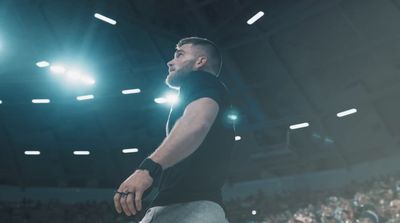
{"type": "Point", "coordinates": [87, 80]}
{"type": "Point", "coordinates": [57, 69]}
{"type": "Point", "coordinates": [73, 75]}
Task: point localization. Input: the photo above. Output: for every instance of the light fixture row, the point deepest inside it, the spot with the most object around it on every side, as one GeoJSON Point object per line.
{"type": "Point", "coordinates": [169, 98]}
{"type": "Point", "coordinates": [113, 22]}
{"type": "Point", "coordinates": [79, 152]}
{"type": "Point", "coordinates": [86, 152]}
{"type": "Point", "coordinates": [72, 75]}
{"type": "Point", "coordinates": [340, 115]}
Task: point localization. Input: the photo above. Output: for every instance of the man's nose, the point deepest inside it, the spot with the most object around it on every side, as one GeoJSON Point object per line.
{"type": "Point", "coordinates": [169, 63]}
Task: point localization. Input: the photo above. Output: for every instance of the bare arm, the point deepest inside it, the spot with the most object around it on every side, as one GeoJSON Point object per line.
{"type": "Point", "coordinates": [186, 136]}
{"type": "Point", "coordinates": [188, 132]}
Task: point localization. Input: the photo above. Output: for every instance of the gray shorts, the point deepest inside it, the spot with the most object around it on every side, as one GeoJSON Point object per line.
{"type": "Point", "coordinates": [193, 212]}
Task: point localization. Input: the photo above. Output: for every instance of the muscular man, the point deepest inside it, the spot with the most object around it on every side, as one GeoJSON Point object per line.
{"type": "Point", "coordinates": [192, 160]}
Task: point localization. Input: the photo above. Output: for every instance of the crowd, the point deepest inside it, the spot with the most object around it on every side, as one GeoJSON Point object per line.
{"type": "Point", "coordinates": [373, 201]}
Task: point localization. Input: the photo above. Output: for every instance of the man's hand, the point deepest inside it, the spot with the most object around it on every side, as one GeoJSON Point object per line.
{"type": "Point", "coordinates": [133, 186]}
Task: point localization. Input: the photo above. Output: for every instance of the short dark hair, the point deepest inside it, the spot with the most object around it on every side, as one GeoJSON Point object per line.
{"type": "Point", "coordinates": [210, 48]}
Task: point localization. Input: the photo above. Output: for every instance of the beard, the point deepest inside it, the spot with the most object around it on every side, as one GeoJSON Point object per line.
{"type": "Point", "coordinates": [175, 78]}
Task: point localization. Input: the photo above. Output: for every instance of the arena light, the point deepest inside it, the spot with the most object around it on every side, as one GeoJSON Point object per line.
{"type": "Point", "coordinates": [42, 64]}
{"type": "Point", "coordinates": [40, 101]}
{"type": "Point", "coordinates": [81, 153]}
{"type": "Point", "coordinates": [85, 97]}
{"type": "Point", "coordinates": [1, 102]}
{"type": "Point", "coordinates": [255, 17]}
{"type": "Point", "coordinates": [233, 117]}
{"type": "Point", "coordinates": [160, 100]}
{"type": "Point", "coordinates": [57, 69]}
{"type": "Point", "coordinates": [32, 153]}
{"type": "Point", "coordinates": [237, 138]}
{"type": "Point", "coordinates": [105, 19]}
{"type": "Point", "coordinates": [328, 140]}
{"type": "Point", "coordinates": [74, 75]}
{"type": "Point", "coordinates": [347, 112]}
{"type": "Point", "coordinates": [253, 212]}
{"type": "Point", "coordinates": [298, 126]}
{"type": "Point", "coordinates": [169, 98]}
{"type": "Point", "coordinates": [172, 98]}
{"type": "Point", "coordinates": [131, 91]}
{"type": "Point", "coordinates": [130, 150]}
{"type": "Point", "coordinates": [88, 80]}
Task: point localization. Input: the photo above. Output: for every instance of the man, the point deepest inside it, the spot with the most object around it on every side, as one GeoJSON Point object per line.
{"type": "Point", "coordinates": [192, 160]}
{"type": "Point", "coordinates": [369, 216]}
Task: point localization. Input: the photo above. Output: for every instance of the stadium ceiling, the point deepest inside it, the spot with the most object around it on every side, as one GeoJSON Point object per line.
{"type": "Point", "coordinates": [293, 65]}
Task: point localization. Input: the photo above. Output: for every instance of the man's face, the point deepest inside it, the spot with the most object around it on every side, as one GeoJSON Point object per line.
{"type": "Point", "coordinates": [395, 207]}
{"type": "Point", "coordinates": [181, 65]}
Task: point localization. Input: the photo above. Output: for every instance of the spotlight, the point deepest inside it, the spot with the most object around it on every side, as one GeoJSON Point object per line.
{"type": "Point", "coordinates": [87, 80]}
{"type": "Point", "coordinates": [42, 64]}
{"type": "Point", "coordinates": [160, 100]}
{"type": "Point", "coordinates": [57, 69]}
{"type": "Point", "coordinates": [233, 117]}
{"type": "Point", "coordinates": [73, 75]}
{"type": "Point", "coordinates": [170, 98]}
{"type": "Point", "coordinates": [237, 138]}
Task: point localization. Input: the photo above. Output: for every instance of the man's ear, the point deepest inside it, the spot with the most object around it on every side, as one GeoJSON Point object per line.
{"type": "Point", "coordinates": [201, 62]}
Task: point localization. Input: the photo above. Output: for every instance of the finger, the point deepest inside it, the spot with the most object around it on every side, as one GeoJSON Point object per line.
{"type": "Point", "coordinates": [124, 206]}
{"type": "Point", "coordinates": [129, 202]}
{"type": "Point", "coordinates": [138, 200]}
{"type": "Point", "coordinates": [117, 204]}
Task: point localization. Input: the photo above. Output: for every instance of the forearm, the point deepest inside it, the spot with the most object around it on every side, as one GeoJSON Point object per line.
{"type": "Point", "coordinates": [183, 140]}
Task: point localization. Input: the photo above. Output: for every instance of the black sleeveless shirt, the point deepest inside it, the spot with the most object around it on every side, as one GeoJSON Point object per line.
{"type": "Point", "coordinates": [201, 175]}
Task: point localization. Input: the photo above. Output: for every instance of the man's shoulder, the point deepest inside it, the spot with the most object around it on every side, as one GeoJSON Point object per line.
{"type": "Point", "coordinates": [206, 80]}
